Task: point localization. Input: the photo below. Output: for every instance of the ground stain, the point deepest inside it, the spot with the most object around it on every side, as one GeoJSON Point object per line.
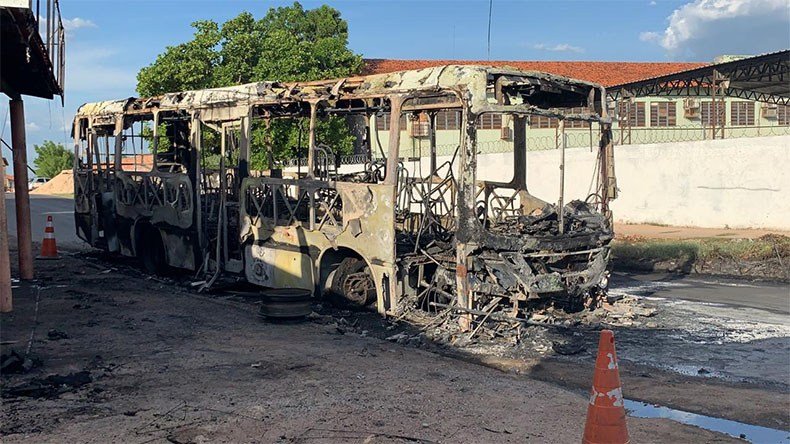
{"type": "Point", "coordinates": [748, 432]}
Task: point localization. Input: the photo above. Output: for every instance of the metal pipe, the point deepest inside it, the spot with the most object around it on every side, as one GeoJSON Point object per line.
{"type": "Point", "coordinates": [311, 141]}
{"type": "Point", "coordinates": [432, 116]}
{"type": "Point", "coordinates": [714, 108]}
{"type": "Point", "coordinates": [561, 203]}
{"type": "Point", "coordinates": [396, 103]}
{"type": "Point", "coordinates": [22, 200]}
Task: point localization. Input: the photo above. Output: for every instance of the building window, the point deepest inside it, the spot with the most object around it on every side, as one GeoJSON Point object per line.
{"type": "Point", "coordinates": [551, 122]}
{"type": "Point", "coordinates": [540, 122]}
{"type": "Point", "coordinates": [783, 115]}
{"type": "Point", "coordinates": [489, 121]}
{"type": "Point", "coordinates": [663, 114]}
{"type": "Point", "coordinates": [575, 123]}
{"type": "Point", "coordinates": [631, 114]}
{"type": "Point", "coordinates": [420, 125]}
{"type": "Point", "coordinates": [707, 116]}
{"type": "Point", "coordinates": [383, 122]}
{"type": "Point", "coordinates": [742, 113]}
{"type": "Point", "coordinates": [448, 120]}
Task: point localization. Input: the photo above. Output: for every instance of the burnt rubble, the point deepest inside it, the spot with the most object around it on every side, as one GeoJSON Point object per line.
{"type": "Point", "coordinates": [525, 264]}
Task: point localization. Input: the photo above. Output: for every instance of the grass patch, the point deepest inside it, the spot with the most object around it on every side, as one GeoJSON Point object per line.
{"type": "Point", "coordinates": [636, 248]}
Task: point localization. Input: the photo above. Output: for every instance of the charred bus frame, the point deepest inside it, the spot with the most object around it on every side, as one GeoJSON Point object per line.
{"type": "Point", "coordinates": [384, 234]}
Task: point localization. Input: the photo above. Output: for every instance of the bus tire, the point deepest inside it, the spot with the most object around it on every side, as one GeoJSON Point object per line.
{"type": "Point", "coordinates": [352, 284]}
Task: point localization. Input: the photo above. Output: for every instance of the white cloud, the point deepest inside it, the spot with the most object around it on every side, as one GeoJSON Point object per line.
{"type": "Point", "coordinates": [560, 47]}
{"type": "Point", "coordinates": [703, 29]}
{"type": "Point", "coordinates": [649, 36]}
{"type": "Point", "coordinates": [653, 3]}
{"type": "Point", "coordinates": [77, 23]}
{"type": "Point", "coordinates": [93, 69]}
{"type": "Point", "coordinates": [69, 25]}
{"type": "Point", "coordinates": [32, 127]}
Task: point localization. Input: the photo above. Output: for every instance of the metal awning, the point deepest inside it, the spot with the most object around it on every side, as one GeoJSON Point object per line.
{"type": "Point", "coordinates": [765, 78]}
{"type": "Point", "coordinates": [32, 49]}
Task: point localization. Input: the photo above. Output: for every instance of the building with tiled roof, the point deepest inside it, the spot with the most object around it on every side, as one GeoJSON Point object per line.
{"type": "Point", "coordinates": [639, 120]}
{"type": "Point", "coordinates": [604, 73]}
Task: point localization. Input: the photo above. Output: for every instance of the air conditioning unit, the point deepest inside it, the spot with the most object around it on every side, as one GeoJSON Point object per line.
{"type": "Point", "coordinates": [768, 110]}
{"type": "Point", "coordinates": [420, 129]}
{"type": "Point", "coordinates": [506, 133]}
{"type": "Point", "coordinates": [691, 108]}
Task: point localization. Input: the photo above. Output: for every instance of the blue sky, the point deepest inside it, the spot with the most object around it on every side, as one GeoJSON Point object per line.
{"type": "Point", "coordinates": [109, 41]}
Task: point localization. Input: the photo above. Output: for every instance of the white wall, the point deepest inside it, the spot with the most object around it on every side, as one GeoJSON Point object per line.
{"type": "Point", "coordinates": [736, 183]}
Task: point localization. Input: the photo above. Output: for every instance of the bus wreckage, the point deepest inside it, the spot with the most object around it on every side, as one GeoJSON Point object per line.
{"type": "Point", "coordinates": [397, 233]}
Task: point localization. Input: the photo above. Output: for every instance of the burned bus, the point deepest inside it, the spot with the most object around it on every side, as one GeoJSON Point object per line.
{"type": "Point", "coordinates": [168, 180]}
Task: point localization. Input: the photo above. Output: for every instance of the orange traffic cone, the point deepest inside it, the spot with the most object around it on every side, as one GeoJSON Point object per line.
{"type": "Point", "coordinates": [606, 414]}
{"type": "Point", "coordinates": [49, 249]}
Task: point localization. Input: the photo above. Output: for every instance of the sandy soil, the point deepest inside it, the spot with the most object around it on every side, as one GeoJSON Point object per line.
{"type": "Point", "coordinates": [63, 183]}
{"type": "Point", "coordinates": [166, 365]}
{"type": "Point", "coordinates": [671, 232]}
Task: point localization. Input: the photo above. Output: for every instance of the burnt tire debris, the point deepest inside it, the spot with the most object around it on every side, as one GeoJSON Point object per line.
{"type": "Point", "coordinates": [285, 304]}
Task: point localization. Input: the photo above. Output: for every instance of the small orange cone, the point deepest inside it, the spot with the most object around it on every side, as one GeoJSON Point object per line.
{"type": "Point", "coordinates": [606, 413]}
{"type": "Point", "coordinates": [49, 248]}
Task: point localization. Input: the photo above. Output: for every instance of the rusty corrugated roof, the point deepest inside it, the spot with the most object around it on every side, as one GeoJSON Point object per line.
{"type": "Point", "coordinates": [604, 73]}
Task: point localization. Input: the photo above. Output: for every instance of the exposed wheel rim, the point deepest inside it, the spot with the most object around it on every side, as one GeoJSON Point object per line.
{"type": "Point", "coordinates": [358, 288]}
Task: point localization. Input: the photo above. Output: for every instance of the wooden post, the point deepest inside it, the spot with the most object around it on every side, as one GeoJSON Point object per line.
{"type": "Point", "coordinates": [6, 304]}
{"type": "Point", "coordinates": [19, 147]}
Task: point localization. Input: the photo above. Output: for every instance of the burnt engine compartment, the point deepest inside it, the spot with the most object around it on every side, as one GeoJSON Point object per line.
{"type": "Point", "coordinates": [523, 263]}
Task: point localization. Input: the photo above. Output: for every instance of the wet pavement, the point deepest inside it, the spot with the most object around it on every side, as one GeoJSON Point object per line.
{"type": "Point", "coordinates": [709, 327]}
{"type": "Point", "coordinates": [770, 296]}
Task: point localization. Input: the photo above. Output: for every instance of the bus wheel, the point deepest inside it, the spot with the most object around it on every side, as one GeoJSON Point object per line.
{"type": "Point", "coordinates": [352, 283]}
{"type": "Point", "coordinates": [151, 253]}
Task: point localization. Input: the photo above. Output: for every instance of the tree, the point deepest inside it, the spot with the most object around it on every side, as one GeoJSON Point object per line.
{"type": "Point", "coordinates": [288, 44]}
{"type": "Point", "coordinates": [51, 159]}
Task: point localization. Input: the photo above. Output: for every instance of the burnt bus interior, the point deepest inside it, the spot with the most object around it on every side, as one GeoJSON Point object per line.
{"type": "Point", "coordinates": [395, 233]}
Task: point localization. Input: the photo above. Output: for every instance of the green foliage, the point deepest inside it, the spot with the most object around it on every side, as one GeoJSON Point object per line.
{"type": "Point", "coordinates": [303, 45]}
{"type": "Point", "coordinates": [51, 159]}
{"type": "Point", "coordinates": [190, 65]}
{"type": "Point", "coordinates": [288, 44]}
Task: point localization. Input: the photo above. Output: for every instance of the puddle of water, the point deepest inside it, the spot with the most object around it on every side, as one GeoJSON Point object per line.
{"type": "Point", "coordinates": [751, 433]}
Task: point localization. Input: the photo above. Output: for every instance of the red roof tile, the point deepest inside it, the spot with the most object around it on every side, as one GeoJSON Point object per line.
{"type": "Point", "coordinates": [604, 73]}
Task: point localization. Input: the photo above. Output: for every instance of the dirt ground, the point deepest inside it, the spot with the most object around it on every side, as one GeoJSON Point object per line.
{"type": "Point", "coordinates": [671, 232]}
{"type": "Point", "coordinates": [164, 365]}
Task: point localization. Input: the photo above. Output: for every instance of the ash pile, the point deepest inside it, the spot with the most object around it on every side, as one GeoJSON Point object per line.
{"type": "Point", "coordinates": [548, 331]}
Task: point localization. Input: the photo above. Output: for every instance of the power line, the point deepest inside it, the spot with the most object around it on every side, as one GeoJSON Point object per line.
{"type": "Point", "coordinates": [12, 153]}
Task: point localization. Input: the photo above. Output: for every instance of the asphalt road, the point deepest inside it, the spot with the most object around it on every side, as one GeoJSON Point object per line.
{"type": "Point", "coordinates": [774, 297]}
{"type": "Point", "coordinates": [759, 295]}
{"type": "Point", "coordinates": [62, 211]}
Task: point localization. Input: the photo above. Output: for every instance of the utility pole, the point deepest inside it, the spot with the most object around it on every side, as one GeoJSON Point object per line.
{"type": "Point", "coordinates": [22, 197]}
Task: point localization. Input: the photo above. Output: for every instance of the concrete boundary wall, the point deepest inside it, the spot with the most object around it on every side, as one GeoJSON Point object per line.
{"type": "Point", "coordinates": [735, 183]}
